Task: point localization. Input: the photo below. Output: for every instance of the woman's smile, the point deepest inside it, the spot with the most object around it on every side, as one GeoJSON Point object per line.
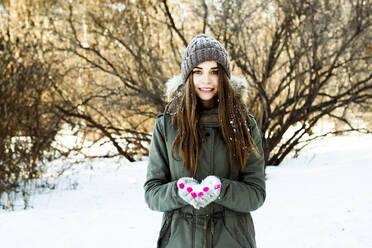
{"type": "Point", "coordinates": [206, 89]}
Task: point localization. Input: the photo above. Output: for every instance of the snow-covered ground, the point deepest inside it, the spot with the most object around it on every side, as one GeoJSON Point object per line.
{"type": "Point", "coordinates": [322, 199]}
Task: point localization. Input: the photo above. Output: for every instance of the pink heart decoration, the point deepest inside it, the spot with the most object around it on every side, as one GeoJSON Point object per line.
{"type": "Point", "coordinates": [200, 194]}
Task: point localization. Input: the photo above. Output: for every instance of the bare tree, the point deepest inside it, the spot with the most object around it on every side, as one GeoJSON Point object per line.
{"type": "Point", "coordinates": [29, 122]}
{"type": "Point", "coordinates": [115, 68]}
{"type": "Point", "coordinates": [305, 61]}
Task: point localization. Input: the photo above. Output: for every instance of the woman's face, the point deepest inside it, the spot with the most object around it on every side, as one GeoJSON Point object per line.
{"type": "Point", "coordinates": [205, 77]}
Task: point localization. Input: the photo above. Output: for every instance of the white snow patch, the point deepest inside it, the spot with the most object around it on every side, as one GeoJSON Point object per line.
{"type": "Point", "coordinates": [321, 199]}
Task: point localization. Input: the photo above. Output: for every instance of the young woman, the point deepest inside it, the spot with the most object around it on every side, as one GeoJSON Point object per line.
{"type": "Point", "coordinates": [206, 163]}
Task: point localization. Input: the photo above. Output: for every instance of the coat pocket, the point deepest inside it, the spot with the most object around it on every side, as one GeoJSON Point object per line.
{"type": "Point", "coordinates": [181, 232]}
{"type": "Point", "coordinates": [225, 236]}
{"type": "Point", "coordinates": [165, 230]}
{"type": "Point", "coordinates": [239, 228]}
{"type": "Point", "coordinates": [245, 230]}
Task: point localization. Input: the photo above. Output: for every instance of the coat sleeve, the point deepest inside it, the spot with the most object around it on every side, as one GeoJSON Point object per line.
{"type": "Point", "coordinates": [247, 193]}
{"type": "Point", "coordinates": [160, 192]}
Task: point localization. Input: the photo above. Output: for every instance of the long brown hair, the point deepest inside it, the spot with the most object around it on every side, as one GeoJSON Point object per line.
{"type": "Point", "coordinates": [232, 117]}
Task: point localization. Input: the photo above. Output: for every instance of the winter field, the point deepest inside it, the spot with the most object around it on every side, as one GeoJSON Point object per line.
{"type": "Point", "coordinates": [321, 199]}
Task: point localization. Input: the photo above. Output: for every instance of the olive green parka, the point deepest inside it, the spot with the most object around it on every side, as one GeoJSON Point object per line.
{"type": "Point", "coordinates": [226, 222]}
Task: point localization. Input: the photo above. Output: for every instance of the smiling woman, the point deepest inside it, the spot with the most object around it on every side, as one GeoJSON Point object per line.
{"type": "Point", "coordinates": [206, 163]}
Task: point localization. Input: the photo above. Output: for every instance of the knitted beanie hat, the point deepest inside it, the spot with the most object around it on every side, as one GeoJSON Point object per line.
{"type": "Point", "coordinates": [204, 48]}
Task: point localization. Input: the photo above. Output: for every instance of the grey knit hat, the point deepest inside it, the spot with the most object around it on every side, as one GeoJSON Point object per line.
{"type": "Point", "coordinates": [204, 48]}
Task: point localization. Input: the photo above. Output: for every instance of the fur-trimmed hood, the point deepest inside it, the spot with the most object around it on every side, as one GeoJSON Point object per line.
{"type": "Point", "coordinates": [175, 86]}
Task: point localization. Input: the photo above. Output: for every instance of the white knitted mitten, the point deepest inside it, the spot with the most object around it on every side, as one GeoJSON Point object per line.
{"type": "Point", "coordinates": [199, 195]}
{"type": "Point", "coordinates": [186, 190]}
{"type": "Point", "coordinates": [211, 186]}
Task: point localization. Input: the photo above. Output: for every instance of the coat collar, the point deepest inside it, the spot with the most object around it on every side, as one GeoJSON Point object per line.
{"type": "Point", "coordinates": [209, 117]}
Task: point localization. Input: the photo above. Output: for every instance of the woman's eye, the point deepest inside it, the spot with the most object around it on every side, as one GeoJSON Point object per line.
{"type": "Point", "coordinates": [215, 72]}
{"type": "Point", "coordinates": [196, 72]}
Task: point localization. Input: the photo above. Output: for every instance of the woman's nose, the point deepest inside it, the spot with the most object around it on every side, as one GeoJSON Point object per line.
{"type": "Point", "coordinates": [205, 78]}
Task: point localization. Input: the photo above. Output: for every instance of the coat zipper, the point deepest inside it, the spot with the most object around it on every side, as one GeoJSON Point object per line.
{"type": "Point", "coordinates": [212, 165]}
{"type": "Point", "coordinates": [193, 230]}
